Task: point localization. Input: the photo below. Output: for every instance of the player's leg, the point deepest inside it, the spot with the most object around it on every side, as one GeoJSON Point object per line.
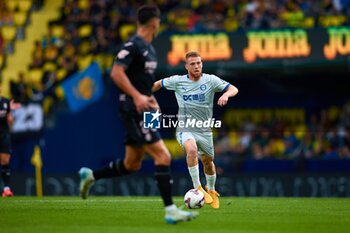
{"type": "Point", "coordinates": [162, 159]}
{"type": "Point", "coordinates": [134, 139]}
{"type": "Point", "coordinates": [206, 150]}
{"type": "Point", "coordinates": [131, 163]}
{"type": "Point", "coordinates": [209, 170]}
{"type": "Point", "coordinates": [190, 147]}
{"type": "Point", "coordinates": [210, 175]}
{"type": "Point", "coordinates": [188, 142]}
{"type": "Point", "coordinates": [6, 174]}
{"type": "Point", "coordinates": [5, 155]}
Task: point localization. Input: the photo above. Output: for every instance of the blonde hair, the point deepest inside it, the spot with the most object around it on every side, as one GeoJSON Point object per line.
{"type": "Point", "coordinates": [192, 54]}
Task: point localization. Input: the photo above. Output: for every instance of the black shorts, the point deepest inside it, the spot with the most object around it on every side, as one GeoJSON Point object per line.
{"type": "Point", "coordinates": [5, 143]}
{"type": "Point", "coordinates": [136, 134]}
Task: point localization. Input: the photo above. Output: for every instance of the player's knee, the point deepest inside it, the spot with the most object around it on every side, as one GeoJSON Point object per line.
{"type": "Point", "coordinates": [191, 152]}
{"type": "Point", "coordinates": [163, 158]}
{"type": "Point", "coordinates": [207, 161]}
{"type": "Point", "coordinates": [133, 167]}
{"type": "Point", "coordinates": [5, 160]}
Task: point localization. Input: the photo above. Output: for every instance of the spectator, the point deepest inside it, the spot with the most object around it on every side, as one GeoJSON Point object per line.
{"type": "Point", "coordinates": [38, 58]}
{"type": "Point", "coordinates": [345, 114]}
{"type": "Point", "coordinates": [19, 90]}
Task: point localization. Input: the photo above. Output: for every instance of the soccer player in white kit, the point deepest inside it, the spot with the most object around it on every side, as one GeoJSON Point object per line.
{"type": "Point", "coordinates": [195, 96]}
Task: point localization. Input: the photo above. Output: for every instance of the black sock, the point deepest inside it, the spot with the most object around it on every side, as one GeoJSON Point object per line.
{"type": "Point", "coordinates": [114, 169]}
{"type": "Point", "coordinates": [6, 174]}
{"type": "Point", "coordinates": [164, 182]}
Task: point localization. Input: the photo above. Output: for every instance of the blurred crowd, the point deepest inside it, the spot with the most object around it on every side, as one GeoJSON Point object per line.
{"type": "Point", "coordinates": [322, 136]}
{"type": "Point", "coordinates": [93, 29]}
{"type": "Point", "coordinates": [231, 15]}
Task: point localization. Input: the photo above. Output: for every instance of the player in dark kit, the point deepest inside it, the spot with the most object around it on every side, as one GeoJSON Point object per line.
{"type": "Point", "coordinates": [133, 73]}
{"type": "Point", "coordinates": [5, 142]}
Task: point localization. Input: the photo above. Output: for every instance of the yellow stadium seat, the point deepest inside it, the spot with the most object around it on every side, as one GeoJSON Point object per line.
{"type": "Point", "coordinates": [109, 59]}
{"type": "Point", "coordinates": [126, 30]}
{"type": "Point", "coordinates": [233, 137]}
{"type": "Point", "coordinates": [57, 30]}
{"type": "Point", "coordinates": [85, 47]}
{"type": "Point", "coordinates": [333, 113]}
{"type": "Point", "coordinates": [61, 74]}
{"type": "Point", "coordinates": [83, 4]}
{"type": "Point", "coordinates": [2, 60]}
{"type": "Point", "coordinates": [231, 24]}
{"type": "Point", "coordinates": [309, 22]}
{"type": "Point", "coordinates": [47, 105]}
{"type": "Point", "coordinates": [300, 131]}
{"type": "Point", "coordinates": [11, 5]}
{"type": "Point", "coordinates": [20, 18]}
{"type": "Point", "coordinates": [49, 66]}
{"type": "Point", "coordinates": [195, 4]}
{"type": "Point", "coordinates": [25, 5]}
{"type": "Point", "coordinates": [59, 92]}
{"type": "Point", "coordinates": [277, 147]}
{"type": "Point", "coordinates": [85, 30]}
{"type": "Point", "coordinates": [35, 76]}
{"type": "Point", "coordinates": [84, 62]}
{"type": "Point", "coordinates": [8, 32]}
{"type": "Point", "coordinates": [163, 27]}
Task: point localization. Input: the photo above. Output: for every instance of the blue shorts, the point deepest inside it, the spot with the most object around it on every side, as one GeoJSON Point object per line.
{"type": "Point", "coordinates": [5, 143]}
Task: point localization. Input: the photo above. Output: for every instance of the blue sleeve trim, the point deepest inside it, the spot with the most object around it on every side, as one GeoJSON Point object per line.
{"type": "Point", "coordinates": [226, 87]}
{"type": "Point", "coordinates": [181, 138]}
{"type": "Point", "coordinates": [162, 84]}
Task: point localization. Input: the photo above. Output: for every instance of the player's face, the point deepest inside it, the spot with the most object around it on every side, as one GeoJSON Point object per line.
{"type": "Point", "coordinates": [156, 24]}
{"type": "Point", "coordinates": [194, 66]}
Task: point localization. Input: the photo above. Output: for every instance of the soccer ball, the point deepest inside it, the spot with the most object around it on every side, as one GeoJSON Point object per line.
{"type": "Point", "coordinates": [194, 199]}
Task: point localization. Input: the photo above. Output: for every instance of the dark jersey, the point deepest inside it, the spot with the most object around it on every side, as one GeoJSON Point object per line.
{"type": "Point", "coordinates": [140, 61]}
{"type": "Point", "coordinates": [4, 111]}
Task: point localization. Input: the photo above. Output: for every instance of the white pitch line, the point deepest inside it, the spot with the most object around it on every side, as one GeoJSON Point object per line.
{"type": "Point", "coordinates": [131, 200]}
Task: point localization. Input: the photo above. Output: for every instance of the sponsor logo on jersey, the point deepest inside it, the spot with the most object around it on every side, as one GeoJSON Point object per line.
{"type": "Point", "coordinates": [150, 66]}
{"type": "Point", "coordinates": [122, 54]}
{"type": "Point", "coordinates": [195, 97]}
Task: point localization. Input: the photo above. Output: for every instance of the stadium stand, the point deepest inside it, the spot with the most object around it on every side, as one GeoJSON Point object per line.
{"type": "Point", "coordinates": [85, 29]}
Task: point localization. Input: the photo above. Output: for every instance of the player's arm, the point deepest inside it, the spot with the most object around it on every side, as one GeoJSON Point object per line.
{"type": "Point", "coordinates": [9, 119]}
{"type": "Point", "coordinates": [230, 92]}
{"type": "Point", "coordinates": [166, 83]}
{"type": "Point", "coordinates": [14, 105]}
{"type": "Point", "coordinates": [118, 75]}
{"type": "Point", "coordinates": [157, 85]}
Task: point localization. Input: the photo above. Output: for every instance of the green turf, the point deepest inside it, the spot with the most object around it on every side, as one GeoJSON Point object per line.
{"type": "Point", "coordinates": [145, 214]}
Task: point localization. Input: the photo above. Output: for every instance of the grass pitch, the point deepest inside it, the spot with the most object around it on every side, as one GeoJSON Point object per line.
{"type": "Point", "coordinates": [145, 214]}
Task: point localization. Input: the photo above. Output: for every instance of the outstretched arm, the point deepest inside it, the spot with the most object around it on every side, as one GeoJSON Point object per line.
{"type": "Point", "coordinates": [14, 105]}
{"type": "Point", "coordinates": [230, 92]}
{"type": "Point", "coordinates": [157, 85]}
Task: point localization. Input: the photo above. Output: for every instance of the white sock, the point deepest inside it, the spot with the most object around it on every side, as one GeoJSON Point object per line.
{"type": "Point", "coordinates": [194, 172]}
{"type": "Point", "coordinates": [170, 208]}
{"type": "Point", "coordinates": [211, 180]}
